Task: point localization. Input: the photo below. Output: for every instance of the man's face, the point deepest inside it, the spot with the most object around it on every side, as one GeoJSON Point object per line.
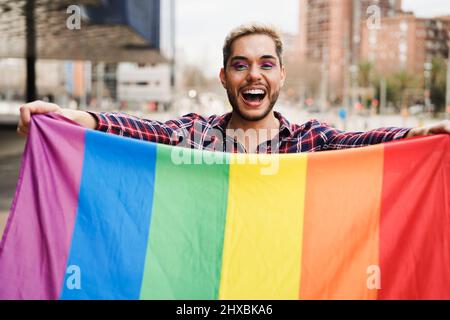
{"type": "Point", "coordinates": [253, 76]}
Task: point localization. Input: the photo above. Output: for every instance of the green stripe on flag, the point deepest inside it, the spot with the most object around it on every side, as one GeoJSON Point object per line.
{"type": "Point", "coordinates": [184, 252]}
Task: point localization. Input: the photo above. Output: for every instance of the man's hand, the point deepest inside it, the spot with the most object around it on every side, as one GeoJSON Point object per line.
{"type": "Point", "coordinates": [441, 127]}
{"type": "Point", "coordinates": [35, 107]}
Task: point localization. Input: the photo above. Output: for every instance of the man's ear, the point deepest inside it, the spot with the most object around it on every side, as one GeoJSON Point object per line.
{"type": "Point", "coordinates": [283, 76]}
{"type": "Point", "coordinates": [222, 78]}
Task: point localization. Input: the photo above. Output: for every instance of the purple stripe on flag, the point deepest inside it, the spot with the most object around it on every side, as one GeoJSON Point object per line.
{"type": "Point", "coordinates": [36, 242]}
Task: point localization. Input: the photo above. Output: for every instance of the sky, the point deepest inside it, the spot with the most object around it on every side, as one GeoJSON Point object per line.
{"type": "Point", "coordinates": [201, 25]}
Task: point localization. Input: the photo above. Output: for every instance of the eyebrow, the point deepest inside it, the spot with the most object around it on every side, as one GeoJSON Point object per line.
{"type": "Point", "coordinates": [266, 56]}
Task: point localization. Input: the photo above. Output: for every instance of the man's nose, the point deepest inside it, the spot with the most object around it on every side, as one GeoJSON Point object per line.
{"type": "Point", "coordinates": [254, 73]}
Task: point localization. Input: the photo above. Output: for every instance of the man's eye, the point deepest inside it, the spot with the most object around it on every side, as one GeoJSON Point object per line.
{"type": "Point", "coordinates": [267, 66]}
{"type": "Point", "coordinates": [240, 66]}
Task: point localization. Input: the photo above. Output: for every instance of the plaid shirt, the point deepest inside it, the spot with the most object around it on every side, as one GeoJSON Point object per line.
{"type": "Point", "coordinates": [195, 131]}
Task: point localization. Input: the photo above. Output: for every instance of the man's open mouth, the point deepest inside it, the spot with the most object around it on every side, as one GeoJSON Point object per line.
{"type": "Point", "coordinates": [253, 95]}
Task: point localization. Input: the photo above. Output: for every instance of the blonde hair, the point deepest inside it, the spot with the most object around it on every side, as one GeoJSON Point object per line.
{"type": "Point", "coordinates": [249, 29]}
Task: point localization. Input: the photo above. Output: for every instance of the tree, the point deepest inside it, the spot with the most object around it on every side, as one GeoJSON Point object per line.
{"type": "Point", "coordinates": [366, 82]}
{"type": "Point", "coordinates": [401, 87]}
{"type": "Point", "coordinates": [438, 83]}
{"type": "Point", "coordinates": [365, 74]}
{"type": "Point", "coordinates": [391, 89]}
{"type": "Point", "coordinates": [301, 74]}
{"type": "Point", "coordinates": [193, 77]}
{"type": "Point", "coordinates": [405, 85]}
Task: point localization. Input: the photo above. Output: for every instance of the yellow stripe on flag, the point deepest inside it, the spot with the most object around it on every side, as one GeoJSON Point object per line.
{"type": "Point", "coordinates": [263, 232]}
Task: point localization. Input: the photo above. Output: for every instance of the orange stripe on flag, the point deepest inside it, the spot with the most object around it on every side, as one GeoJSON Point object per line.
{"type": "Point", "coordinates": [341, 222]}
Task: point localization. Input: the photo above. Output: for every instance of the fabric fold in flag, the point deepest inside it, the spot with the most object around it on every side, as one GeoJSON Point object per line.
{"type": "Point", "coordinates": [98, 216]}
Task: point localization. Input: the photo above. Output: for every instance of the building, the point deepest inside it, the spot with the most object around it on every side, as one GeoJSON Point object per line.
{"type": "Point", "coordinates": [57, 80]}
{"type": "Point", "coordinates": [140, 85]}
{"type": "Point", "coordinates": [405, 42]}
{"type": "Point", "coordinates": [330, 34]}
{"type": "Point", "coordinates": [101, 32]}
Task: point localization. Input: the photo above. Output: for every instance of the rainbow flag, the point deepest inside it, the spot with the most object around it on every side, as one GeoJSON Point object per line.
{"type": "Point", "coordinates": [97, 216]}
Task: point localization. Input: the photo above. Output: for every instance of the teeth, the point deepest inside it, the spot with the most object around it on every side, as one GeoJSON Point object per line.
{"type": "Point", "coordinates": [254, 91]}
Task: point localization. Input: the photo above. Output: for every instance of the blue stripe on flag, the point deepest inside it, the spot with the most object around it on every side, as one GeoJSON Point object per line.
{"type": "Point", "coordinates": [109, 242]}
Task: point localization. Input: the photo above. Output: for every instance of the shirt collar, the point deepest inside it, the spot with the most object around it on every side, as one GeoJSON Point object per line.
{"type": "Point", "coordinates": [284, 123]}
{"type": "Point", "coordinates": [222, 121]}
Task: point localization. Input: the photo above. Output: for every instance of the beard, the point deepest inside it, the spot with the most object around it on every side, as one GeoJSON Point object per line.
{"type": "Point", "coordinates": [232, 98]}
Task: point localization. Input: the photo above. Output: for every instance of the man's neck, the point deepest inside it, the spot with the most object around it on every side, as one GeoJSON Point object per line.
{"type": "Point", "coordinates": [252, 133]}
{"type": "Point", "coordinates": [268, 123]}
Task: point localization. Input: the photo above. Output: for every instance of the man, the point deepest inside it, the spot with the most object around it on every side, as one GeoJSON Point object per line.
{"type": "Point", "coordinates": [252, 74]}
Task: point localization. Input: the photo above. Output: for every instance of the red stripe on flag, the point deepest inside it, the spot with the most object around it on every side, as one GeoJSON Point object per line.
{"type": "Point", "coordinates": [415, 225]}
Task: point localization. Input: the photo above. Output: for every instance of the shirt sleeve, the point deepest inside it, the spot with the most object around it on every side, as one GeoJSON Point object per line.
{"type": "Point", "coordinates": [144, 129]}
{"type": "Point", "coordinates": [335, 139]}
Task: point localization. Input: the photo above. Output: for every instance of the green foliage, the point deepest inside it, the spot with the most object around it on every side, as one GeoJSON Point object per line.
{"type": "Point", "coordinates": [438, 83]}
{"type": "Point", "coordinates": [365, 74]}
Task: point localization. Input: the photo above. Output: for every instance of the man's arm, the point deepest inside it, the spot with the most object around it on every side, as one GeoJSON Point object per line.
{"type": "Point", "coordinates": [143, 129]}
{"type": "Point", "coordinates": [110, 122]}
{"type": "Point", "coordinates": [441, 127]}
{"type": "Point", "coordinates": [81, 117]}
{"type": "Point", "coordinates": [336, 139]}
{"type": "Point", "coordinates": [113, 122]}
